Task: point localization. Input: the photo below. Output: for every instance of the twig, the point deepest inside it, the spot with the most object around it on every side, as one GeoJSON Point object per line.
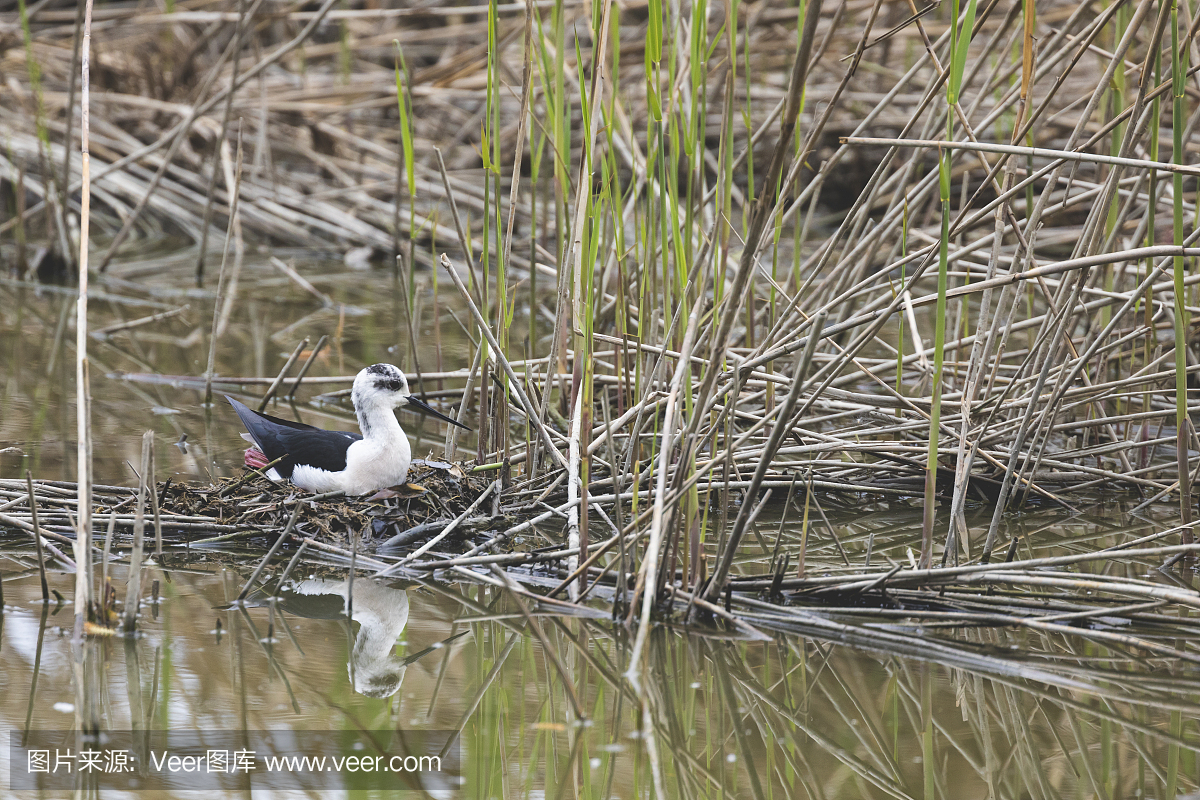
{"type": "Point", "coordinates": [291, 523]}
{"type": "Point", "coordinates": [308, 362]}
{"type": "Point", "coordinates": [493, 486]}
{"type": "Point", "coordinates": [300, 281]}
{"type": "Point", "coordinates": [101, 333]}
{"type": "Point", "coordinates": [133, 587]}
{"type": "Point", "coordinates": [212, 340]}
{"type": "Point", "coordinates": [287, 367]}
{"type": "Point", "coordinates": [37, 540]}
{"type": "Point", "coordinates": [1034, 152]}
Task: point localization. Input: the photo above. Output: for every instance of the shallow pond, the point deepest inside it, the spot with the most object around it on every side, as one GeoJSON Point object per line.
{"type": "Point", "coordinates": [456, 667]}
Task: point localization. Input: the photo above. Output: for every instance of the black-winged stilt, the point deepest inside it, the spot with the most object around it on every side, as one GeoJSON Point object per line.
{"type": "Point", "coordinates": [329, 461]}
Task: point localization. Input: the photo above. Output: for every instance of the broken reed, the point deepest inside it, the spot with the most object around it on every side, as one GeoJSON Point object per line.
{"type": "Point", "coordinates": [662, 150]}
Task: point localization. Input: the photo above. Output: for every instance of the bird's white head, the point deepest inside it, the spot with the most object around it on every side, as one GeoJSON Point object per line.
{"type": "Point", "coordinates": [384, 387]}
{"type": "Point", "coordinates": [380, 385]}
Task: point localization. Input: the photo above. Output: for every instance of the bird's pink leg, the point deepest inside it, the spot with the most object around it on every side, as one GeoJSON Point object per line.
{"type": "Point", "coordinates": [255, 459]}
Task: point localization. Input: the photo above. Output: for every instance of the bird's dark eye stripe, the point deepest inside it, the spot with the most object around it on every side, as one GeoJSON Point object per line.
{"type": "Point", "coordinates": [390, 386]}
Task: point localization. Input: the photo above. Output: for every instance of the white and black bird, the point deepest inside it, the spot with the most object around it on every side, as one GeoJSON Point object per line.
{"type": "Point", "coordinates": [328, 461]}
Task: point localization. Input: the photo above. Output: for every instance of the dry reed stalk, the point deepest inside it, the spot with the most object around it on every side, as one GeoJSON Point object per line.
{"type": "Point", "coordinates": [649, 573]}
{"type": "Point", "coordinates": [308, 362]}
{"type": "Point", "coordinates": [781, 428]}
{"type": "Point", "coordinates": [503, 361]}
{"type": "Point", "coordinates": [278, 543]}
{"type": "Point", "coordinates": [104, 556]}
{"type": "Point", "coordinates": [222, 137]}
{"type": "Point", "coordinates": [83, 394]}
{"type": "Point", "coordinates": [150, 480]}
{"type": "Point", "coordinates": [133, 586]}
{"type": "Point", "coordinates": [287, 367]}
{"type": "Point", "coordinates": [495, 485]}
{"type": "Point", "coordinates": [404, 282]}
{"type": "Point", "coordinates": [37, 540]}
{"type": "Point", "coordinates": [212, 340]}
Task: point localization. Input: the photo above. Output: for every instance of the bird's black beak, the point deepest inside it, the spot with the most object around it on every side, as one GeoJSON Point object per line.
{"type": "Point", "coordinates": [417, 404]}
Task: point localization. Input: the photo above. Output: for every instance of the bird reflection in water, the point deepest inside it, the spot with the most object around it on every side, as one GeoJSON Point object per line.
{"type": "Point", "coordinates": [381, 611]}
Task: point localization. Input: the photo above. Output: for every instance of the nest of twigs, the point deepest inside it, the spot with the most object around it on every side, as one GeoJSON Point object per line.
{"type": "Point", "coordinates": [437, 494]}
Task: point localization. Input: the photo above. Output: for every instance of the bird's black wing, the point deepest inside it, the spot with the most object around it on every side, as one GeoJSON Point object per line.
{"type": "Point", "coordinates": [296, 442]}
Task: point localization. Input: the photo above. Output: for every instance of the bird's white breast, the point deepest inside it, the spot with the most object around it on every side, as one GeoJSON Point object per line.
{"type": "Point", "coordinates": [370, 466]}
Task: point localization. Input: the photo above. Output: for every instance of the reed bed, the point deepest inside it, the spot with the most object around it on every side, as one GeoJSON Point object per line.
{"type": "Point", "coordinates": [712, 256]}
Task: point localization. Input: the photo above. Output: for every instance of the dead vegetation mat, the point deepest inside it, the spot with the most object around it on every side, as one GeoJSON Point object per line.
{"type": "Point", "coordinates": [436, 494]}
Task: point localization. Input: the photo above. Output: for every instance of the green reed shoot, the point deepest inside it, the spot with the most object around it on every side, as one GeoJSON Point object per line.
{"type": "Point", "coordinates": [1181, 418]}
{"type": "Point", "coordinates": [939, 341]}
{"type": "Point", "coordinates": [928, 762]}
{"type": "Point", "coordinates": [1151, 207]}
{"type": "Point", "coordinates": [404, 109]}
{"type": "Point", "coordinates": [536, 144]}
{"type": "Point", "coordinates": [345, 51]}
{"type": "Point", "coordinates": [1117, 97]}
{"type": "Point", "coordinates": [959, 42]}
{"type": "Point", "coordinates": [1172, 788]}
{"type": "Point", "coordinates": [504, 309]}
{"type": "Point", "coordinates": [900, 332]}
{"type": "Point", "coordinates": [35, 75]}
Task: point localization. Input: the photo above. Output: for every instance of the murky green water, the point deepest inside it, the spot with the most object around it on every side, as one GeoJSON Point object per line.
{"type": "Point", "coordinates": [1009, 713]}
